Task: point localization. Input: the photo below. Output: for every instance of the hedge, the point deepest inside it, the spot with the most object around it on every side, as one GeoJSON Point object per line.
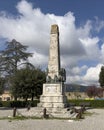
{"type": "Point", "coordinates": [19, 104]}
{"type": "Point", "coordinates": [77, 102]}
{"type": "Point", "coordinates": [93, 103]}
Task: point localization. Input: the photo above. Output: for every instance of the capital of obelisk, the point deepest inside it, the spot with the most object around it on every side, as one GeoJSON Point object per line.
{"type": "Point", "coordinates": [53, 96]}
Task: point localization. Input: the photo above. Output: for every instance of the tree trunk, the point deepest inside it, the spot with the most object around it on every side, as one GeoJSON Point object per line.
{"type": "Point", "coordinates": [32, 97]}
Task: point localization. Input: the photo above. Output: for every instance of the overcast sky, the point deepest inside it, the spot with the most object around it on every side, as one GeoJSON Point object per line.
{"type": "Point", "coordinates": [81, 27]}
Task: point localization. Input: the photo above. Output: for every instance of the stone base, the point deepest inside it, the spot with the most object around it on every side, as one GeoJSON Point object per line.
{"type": "Point", "coordinates": [38, 112]}
{"type": "Point", "coordinates": [53, 97]}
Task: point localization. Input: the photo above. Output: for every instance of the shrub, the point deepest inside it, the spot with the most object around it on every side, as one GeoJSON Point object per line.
{"type": "Point", "coordinates": [6, 103]}
{"type": "Point", "coordinates": [19, 104]}
{"type": "Point", "coordinates": [93, 103]}
{"type": "Point", "coordinates": [1, 104]}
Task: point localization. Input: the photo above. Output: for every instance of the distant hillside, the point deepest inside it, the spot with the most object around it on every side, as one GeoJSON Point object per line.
{"type": "Point", "coordinates": [75, 88]}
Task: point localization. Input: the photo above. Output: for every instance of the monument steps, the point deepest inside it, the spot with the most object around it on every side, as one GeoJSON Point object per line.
{"type": "Point", "coordinates": [38, 112]}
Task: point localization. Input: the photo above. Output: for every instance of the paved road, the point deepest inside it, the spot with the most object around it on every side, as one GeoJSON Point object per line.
{"type": "Point", "coordinates": [93, 122]}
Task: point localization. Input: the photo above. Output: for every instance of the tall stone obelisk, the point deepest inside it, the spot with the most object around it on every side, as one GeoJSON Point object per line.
{"type": "Point", "coordinates": [53, 97]}
{"type": "Point", "coordinates": [54, 53]}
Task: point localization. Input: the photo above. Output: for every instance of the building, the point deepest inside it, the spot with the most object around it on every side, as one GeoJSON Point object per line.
{"type": "Point", "coordinates": [6, 96]}
{"type": "Point", "coordinates": [75, 91]}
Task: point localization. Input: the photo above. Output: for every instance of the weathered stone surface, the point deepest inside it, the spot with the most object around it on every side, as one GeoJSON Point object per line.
{"type": "Point", "coordinates": [54, 29]}
{"type": "Point", "coordinates": [53, 97]}
{"type": "Point", "coordinates": [54, 53]}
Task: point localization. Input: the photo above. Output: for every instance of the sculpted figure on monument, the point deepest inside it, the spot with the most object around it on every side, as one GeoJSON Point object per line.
{"type": "Point", "coordinates": [48, 79]}
{"type": "Point", "coordinates": [56, 79]}
{"type": "Point", "coordinates": [62, 75]}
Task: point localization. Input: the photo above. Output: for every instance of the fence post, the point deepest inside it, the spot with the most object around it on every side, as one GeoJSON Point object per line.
{"type": "Point", "coordinates": [14, 111]}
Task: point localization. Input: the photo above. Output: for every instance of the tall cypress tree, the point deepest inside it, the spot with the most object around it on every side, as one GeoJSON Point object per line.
{"type": "Point", "coordinates": [2, 81]}
{"type": "Point", "coordinates": [101, 77]}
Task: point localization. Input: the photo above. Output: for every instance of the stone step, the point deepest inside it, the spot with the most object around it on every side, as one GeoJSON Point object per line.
{"type": "Point", "coordinates": [38, 112]}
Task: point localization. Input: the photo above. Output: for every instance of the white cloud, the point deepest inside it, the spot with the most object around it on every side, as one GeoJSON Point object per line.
{"type": "Point", "coordinates": [74, 79]}
{"type": "Point", "coordinates": [99, 24]}
{"type": "Point", "coordinates": [77, 70]}
{"type": "Point", "coordinates": [39, 60]}
{"type": "Point", "coordinates": [84, 30]}
{"type": "Point", "coordinates": [102, 54]}
{"type": "Point", "coordinates": [91, 47]}
{"type": "Point", "coordinates": [32, 27]}
{"type": "Point", "coordinates": [92, 74]}
{"type": "Point", "coordinates": [75, 74]}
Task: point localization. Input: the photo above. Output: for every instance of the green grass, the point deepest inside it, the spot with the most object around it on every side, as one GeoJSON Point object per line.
{"type": "Point", "coordinates": [34, 118]}
{"type": "Point", "coordinates": [18, 118]}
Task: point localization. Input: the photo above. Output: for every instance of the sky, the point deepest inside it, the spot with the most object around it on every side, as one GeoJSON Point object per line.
{"type": "Point", "coordinates": [81, 27]}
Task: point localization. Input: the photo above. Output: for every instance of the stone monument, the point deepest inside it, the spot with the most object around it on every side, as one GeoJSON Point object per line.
{"type": "Point", "coordinates": [53, 97]}
{"type": "Point", "coordinates": [53, 100]}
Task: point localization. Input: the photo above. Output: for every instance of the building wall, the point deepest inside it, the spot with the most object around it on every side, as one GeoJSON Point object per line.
{"type": "Point", "coordinates": [6, 96]}
{"type": "Point", "coordinates": [76, 95]}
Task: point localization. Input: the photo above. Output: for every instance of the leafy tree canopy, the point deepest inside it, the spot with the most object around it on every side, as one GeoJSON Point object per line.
{"type": "Point", "coordinates": [12, 55]}
{"type": "Point", "coordinates": [94, 91]}
{"type": "Point", "coordinates": [27, 83]}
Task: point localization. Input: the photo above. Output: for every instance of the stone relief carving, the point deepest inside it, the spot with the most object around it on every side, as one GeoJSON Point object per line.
{"type": "Point", "coordinates": [57, 79]}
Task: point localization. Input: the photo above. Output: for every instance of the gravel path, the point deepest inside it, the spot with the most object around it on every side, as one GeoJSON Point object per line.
{"type": "Point", "coordinates": [93, 122]}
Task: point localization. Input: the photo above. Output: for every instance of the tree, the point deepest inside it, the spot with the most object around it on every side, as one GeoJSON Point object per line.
{"type": "Point", "coordinates": [2, 81]}
{"type": "Point", "coordinates": [99, 92]}
{"type": "Point", "coordinates": [12, 55]}
{"type": "Point", "coordinates": [101, 77]}
{"type": "Point", "coordinates": [27, 83]}
{"type": "Point", "coordinates": [91, 91]}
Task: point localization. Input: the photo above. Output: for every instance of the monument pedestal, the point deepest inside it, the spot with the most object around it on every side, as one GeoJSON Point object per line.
{"type": "Point", "coordinates": [53, 97]}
